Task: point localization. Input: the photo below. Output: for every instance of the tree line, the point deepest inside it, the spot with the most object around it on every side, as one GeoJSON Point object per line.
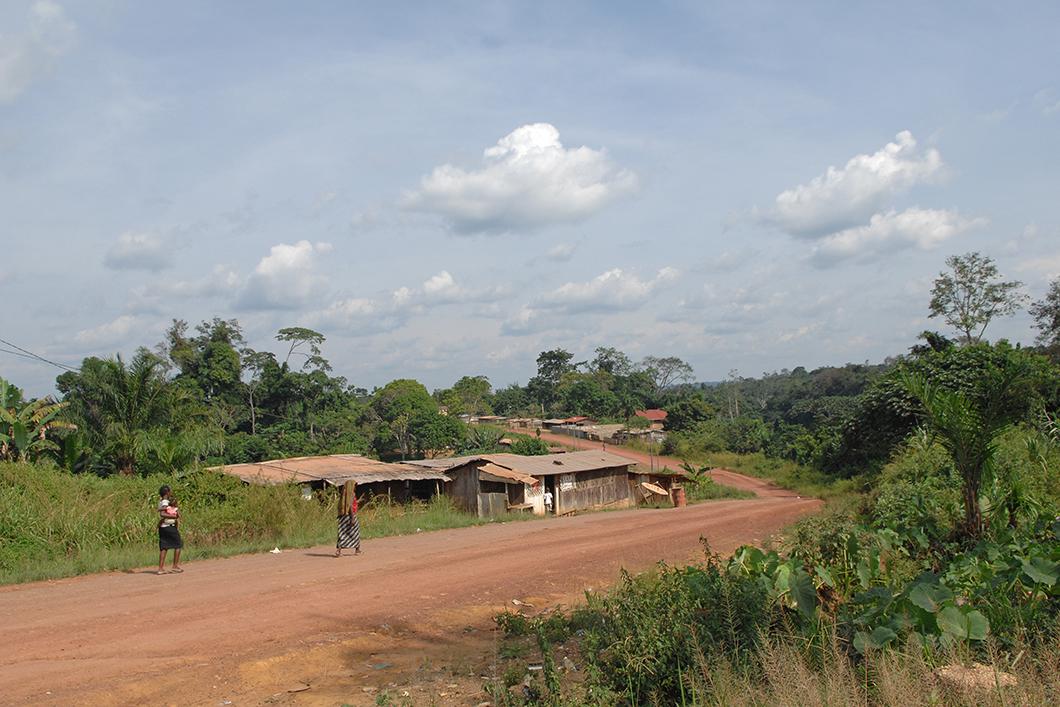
{"type": "Point", "coordinates": [204, 396]}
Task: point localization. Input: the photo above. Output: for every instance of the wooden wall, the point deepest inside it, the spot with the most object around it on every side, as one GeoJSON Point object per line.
{"type": "Point", "coordinates": [601, 488]}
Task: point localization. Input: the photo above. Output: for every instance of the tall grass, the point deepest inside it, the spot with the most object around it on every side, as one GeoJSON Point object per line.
{"type": "Point", "coordinates": [56, 524]}
{"type": "Point", "coordinates": [782, 472]}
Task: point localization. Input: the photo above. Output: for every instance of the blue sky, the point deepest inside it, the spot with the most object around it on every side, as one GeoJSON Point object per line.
{"type": "Point", "coordinates": [450, 190]}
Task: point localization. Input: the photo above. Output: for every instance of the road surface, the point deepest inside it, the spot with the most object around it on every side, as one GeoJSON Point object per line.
{"type": "Point", "coordinates": [303, 627]}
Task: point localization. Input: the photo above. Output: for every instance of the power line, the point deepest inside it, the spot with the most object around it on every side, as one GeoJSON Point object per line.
{"type": "Point", "coordinates": [16, 353]}
{"type": "Point", "coordinates": [29, 354]}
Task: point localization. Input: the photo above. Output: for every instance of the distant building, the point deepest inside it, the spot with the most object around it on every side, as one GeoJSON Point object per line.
{"type": "Point", "coordinates": [493, 484]}
{"type": "Point", "coordinates": [400, 482]}
{"type": "Point", "coordinates": [655, 417]}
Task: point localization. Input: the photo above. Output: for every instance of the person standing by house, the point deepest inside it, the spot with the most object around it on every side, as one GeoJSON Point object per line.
{"type": "Point", "coordinates": [548, 501]}
{"type": "Point", "coordinates": [168, 531]}
{"type": "Point", "coordinates": [349, 527]}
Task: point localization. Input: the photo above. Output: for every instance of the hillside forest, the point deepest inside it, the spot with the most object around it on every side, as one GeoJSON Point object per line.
{"type": "Point", "coordinates": [203, 396]}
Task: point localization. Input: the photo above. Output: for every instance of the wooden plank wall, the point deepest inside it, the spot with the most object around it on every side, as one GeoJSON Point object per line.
{"type": "Point", "coordinates": [596, 489]}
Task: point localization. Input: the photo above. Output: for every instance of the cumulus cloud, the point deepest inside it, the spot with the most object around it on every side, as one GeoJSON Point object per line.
{"type": "Point", "coordinates": [844, 196]}
{"type": "Point", "coordinates": [116, 330]}
{"type": "Point", "coordinates": [360, 316]}
{"type": "Point", "coordinates": [614, 290]}
{"type": "Point", "coordinates": [139, 251]}
{"type": "Point", "coordinates": [286, 278]}
{"type": "Point", "coordinates": [527, 180]}
{"type": "Point", "coordinates": [892, 231]}
{"type": "Point", "coordinates": [525, 321]}
{"type": "Point", "coordinates": [161, 296]}
{"type": "Point", "coordinates": [25, 58]}
{"type": "Point", "coordinates": [392, 310]}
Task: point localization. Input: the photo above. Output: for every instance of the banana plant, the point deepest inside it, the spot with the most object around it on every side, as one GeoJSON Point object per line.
{"type": "Point", "coordinates": [24, 427]}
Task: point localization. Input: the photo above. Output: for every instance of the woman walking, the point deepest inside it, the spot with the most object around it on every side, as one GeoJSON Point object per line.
{"type": "Point", "coordinates": [168, 533]}
{"type": "Point", "coordinates": [349, 526]}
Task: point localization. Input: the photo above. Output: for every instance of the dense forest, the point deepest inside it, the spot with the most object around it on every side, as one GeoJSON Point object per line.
{"type": "Point", "coordinates": [203, 396]}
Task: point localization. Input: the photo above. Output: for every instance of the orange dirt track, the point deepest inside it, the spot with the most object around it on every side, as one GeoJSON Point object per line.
{"type": "Point", "coordinates": [302, 627]}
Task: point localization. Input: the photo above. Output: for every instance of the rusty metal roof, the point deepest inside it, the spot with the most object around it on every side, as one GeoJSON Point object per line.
{"type": "Point", "coordinates": [333, 469]}
{"type": "Point", "coordinates": [655, 415]}
{"type": "Point", "coordinates": [508, 476]}
{"type": "Point", "coordinates": [542, 465]}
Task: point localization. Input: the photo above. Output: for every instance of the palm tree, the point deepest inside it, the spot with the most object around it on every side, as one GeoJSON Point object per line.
{"type": "Point", "coordinates": [24, 427]}
{"type": "Point", "coordinates": [968, 428]}
{"type": "Point", "coordinates": [120, 405]}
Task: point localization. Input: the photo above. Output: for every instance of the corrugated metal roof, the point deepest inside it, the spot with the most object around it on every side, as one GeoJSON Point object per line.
{"type": "Point", "coordinates": [334, 469]}
{"type": "Point", "coordinates": [654, 414]}
{"type": "Point", "coordinates": [550, 464]}
{"type": "Point", "coordinates": [542, 465]}
{"type": "Point", "coordinates": [508, 476]}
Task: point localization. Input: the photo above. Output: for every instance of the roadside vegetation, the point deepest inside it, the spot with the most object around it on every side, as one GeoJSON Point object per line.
{"type": "Point", "coordinates": [55, 524]}
{"type": "Point", "coordinates": [933, 576]}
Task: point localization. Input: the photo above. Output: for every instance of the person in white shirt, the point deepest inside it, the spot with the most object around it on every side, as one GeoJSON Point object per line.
{"type": "Point", "coordinates": [548, 501]}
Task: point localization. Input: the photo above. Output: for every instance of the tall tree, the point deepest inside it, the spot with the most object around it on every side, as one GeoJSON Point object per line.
{"type": "Point", "coordinates": [611, 360]}
{"type": "Point", "coordinates": [667, 371]}
{"type": "Point", "coordinates": [551, 367]}
{"type": "Point", "coordinates": [304, 343]}
{"type": "Point", "coordinates": [1046, 313]}
{"type": "Point", "coordinates": [971, 295]}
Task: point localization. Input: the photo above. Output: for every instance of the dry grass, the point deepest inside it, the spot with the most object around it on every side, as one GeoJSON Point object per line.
{"type": "Point", "coordinates": [790, 676]}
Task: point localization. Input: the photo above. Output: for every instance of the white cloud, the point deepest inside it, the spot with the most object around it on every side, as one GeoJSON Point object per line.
{"type": "Point", "coordinates": [359, 316]}
{"type": "Point", "coordinates": [115, 331]}
{"type": "Point", "coordinates": [441, 283]}
{"type": "Point", "coordinates": [561, 252]}
{"type": "Point", "coordinates": [25, 58]}
{"type": "Point", "coordinates": [892, 231]}
{"type": "Point", "coordinates": [286, 277]}
{"type": "Point", "coordinates": [844, 196]}
{"type": "Point", "coordinates": [163, 296]}
{"type": "Point", "coordinates": [527, 180]}
{"type": "Point", "coordinates": [525, 321]}
{"type": "Point", "coordinates": [613, 290]}
{"type": "Point", "coordinates": [389, 311]}
{"type": "Point", "coordinates": [1047, 101]}
{"type": "Point", "coordinates": [139, 251]}
{"type": "Point", "coordinates": [1047, 265]}
{"type": "Point", "coordinates": [798, 333]}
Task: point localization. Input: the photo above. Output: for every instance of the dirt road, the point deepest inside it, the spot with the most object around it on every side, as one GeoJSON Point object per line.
{"type": "Point", "coordinates": [303, 627]}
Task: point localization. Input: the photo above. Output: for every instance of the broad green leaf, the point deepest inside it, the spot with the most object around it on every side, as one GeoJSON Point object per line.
{"type": "Point", "coordinates": [861, 641]}
{"type": "Point", "coordinates": [971, 625]}
{"type": "Point", "coordinates": [803, 591]}
{"type": "Point", "coordinates": [1041, 570]}
{"type": "Point", "coordinates": [863, 575]}
{"type": "Point", "coordinates": [824, 575]}
{"type": "Point", "coordinates": [881, 636]}
{"type": "Point", "coordinates": [929, 597]}
{"type": "Point", "coordinates": [952, 621]}
{"type": "Point", "coordinates": [978, 626]}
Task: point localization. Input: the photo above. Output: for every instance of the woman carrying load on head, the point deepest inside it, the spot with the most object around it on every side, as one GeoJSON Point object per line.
{"type": "Point", "coordinates": [349, 527]}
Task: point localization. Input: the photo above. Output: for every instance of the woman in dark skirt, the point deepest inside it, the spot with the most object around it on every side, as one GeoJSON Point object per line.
{"type": "Point", "coordinates": [349, 527]}
{"type": "Point", "coordinates": [168, 533]}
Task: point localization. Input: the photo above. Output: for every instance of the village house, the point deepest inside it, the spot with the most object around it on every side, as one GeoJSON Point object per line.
{"type": "Point", "coordinates": [399, 482]}
{"type": "Point", "coordinates": [493, 484]}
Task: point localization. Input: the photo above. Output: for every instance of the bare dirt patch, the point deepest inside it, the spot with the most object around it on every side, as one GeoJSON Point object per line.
{"type": "Point", "coordinates": [413, 614]}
